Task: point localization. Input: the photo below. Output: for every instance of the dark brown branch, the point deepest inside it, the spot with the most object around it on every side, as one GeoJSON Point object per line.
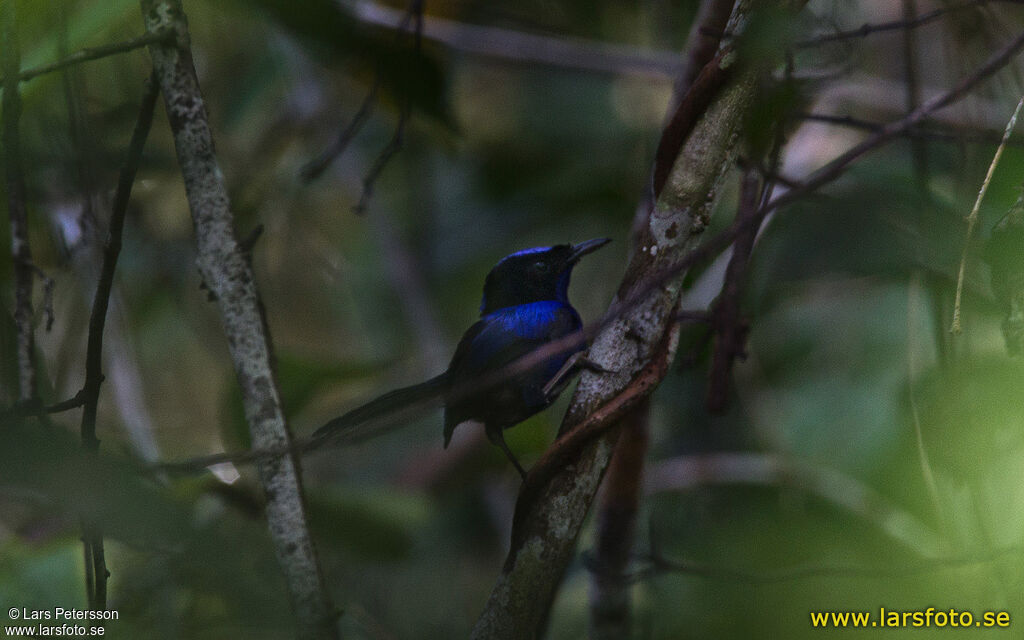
{"type": "Point", "coordinates": [610, 607]}
{"type": "Point", "coordinates": [398, 138]}
{"type": "Point", "coordinates": [701, 92]}
{"type": "Point", "coordinates": [111, 251]}
{"type": "Point", "coordinates": [315, 167]}
{"type": "Point", "coordinates": [389, 151]}
{"type": "Point", "coordinates": [92, 532]}
{"type": "Point", "coordinates": [93, 53]}
{"type": "Point", "coordinates": [702, 44]}
{"type": "Point", "coordinates": [66, 405]}
{"type": "Point", "coordinates": [21, 410]}
{"type": "Point", "coordinates": [21, 252]}
{"type": "Point", "coordinates": [839, 165]}
{"type": "Point", "coordinates": [730, 328]}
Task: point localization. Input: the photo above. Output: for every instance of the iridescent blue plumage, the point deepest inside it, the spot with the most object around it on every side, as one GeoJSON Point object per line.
{"type": "Point", "coordinates": [498, 339]}
{"type": "Point", "coordinates": [525, 305]}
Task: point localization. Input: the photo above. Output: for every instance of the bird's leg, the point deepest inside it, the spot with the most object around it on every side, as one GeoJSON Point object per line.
{"type": "Point", "coordinates": [497, 436]}
{"type": "Point", "coordinates": [578, 360]}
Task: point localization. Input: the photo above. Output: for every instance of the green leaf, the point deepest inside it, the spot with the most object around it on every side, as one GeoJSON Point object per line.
{"type": "Point", "coordinates": [330, 30]}
{"type": "Point", "coordinates": [379, 524]}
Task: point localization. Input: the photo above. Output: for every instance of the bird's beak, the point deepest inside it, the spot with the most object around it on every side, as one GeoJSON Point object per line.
{"type": "Point", "coordinates": [583, 248]}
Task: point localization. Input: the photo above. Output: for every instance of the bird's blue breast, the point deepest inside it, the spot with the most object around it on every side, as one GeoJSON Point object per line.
{"type": "Point", "coordinates": [512, 332]}
{"type": "Point", "coordinates": [536, 320]}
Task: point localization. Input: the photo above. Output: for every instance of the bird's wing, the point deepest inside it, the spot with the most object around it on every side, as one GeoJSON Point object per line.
{"type": "Point", "coordinates": [496, 340]}
{"type": "Point", "coordinates": [380, 414]}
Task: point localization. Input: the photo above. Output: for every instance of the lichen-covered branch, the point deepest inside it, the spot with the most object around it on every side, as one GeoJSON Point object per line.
{"type": "Point", "coordinates": [549, 519]}
{"type": "Point", "coordinates": [21, 253]}
{"type": "Point", "coordinates": [226, 271]}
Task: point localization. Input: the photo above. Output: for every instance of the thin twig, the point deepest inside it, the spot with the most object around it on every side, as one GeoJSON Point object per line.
{"type": "Point", "coordinates": [21, 252]}
{"type": "Point", "coordinates": [840, 164]}
{"type": "Point", "coordinates": [92, 532]}
{"type": "Point", "coordinates": [94, 53]}
{"type": "Point", "coordinates": [953, 135]}
{"type": "Point", "coordinates": [316, 167]}
{"type": "Point", "coordinates": [531, 49]}
{"type": "Point", "coordinates": [895, 25]}
{"type": "Point", "coordinates": [111, 250]}
{"type": "Point", "coordinates": [20, 410]}
{"type": "Point", "coordinates": [393, 146]}
{"type": "Point", "coordinates": [66, 405]}
{"type": "Point", "coordinates": [397, 139]}
{"type": "Point", "coordinates": [729, 326]}
{"type": "Point", "coordinates": [972, 219]}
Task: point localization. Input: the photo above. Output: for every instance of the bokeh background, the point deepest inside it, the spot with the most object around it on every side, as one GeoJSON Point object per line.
{"type": "Point", "coordinates": [867, 457]}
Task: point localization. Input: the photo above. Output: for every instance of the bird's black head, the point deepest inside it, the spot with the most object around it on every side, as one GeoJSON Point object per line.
{"type": "Point", "coordinates": [534, 275]}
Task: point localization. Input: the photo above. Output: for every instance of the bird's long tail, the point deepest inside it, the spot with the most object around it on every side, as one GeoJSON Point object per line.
{"type": "Point", "coordinates": [381, 414]}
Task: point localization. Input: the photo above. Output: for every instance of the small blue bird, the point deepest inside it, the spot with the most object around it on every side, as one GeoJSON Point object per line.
{"type": "Point", "coordinates": [525, 306]}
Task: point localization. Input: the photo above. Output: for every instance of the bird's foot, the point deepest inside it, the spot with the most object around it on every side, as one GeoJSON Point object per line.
{"type": "Point", "coordinates": [586, 363]}
{"type": "Point", "coordinates": [571, 367]}
{"type": "Point", "coordinates": [498, 437]}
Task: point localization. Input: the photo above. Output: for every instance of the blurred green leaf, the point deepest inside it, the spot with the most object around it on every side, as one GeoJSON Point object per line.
{"type": "Point", "coordinates": [377, 524]}
{"type": "Point", "coordinates": [328, 28]}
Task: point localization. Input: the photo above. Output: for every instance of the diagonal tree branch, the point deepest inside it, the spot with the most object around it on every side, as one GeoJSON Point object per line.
{"type": "Point", "coordinates": [226, 271]}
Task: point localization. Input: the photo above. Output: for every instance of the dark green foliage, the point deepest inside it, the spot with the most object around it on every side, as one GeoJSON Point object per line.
{"type": "Point", "coordinates": [848, 296]}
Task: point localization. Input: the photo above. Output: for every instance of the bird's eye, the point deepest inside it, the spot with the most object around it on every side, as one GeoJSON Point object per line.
{"type": "Point", "coordinates": [540, 267]}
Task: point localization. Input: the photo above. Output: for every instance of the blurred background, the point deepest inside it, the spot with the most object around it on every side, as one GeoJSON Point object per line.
{"type": "Point", "coordinates": [866, 458]}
